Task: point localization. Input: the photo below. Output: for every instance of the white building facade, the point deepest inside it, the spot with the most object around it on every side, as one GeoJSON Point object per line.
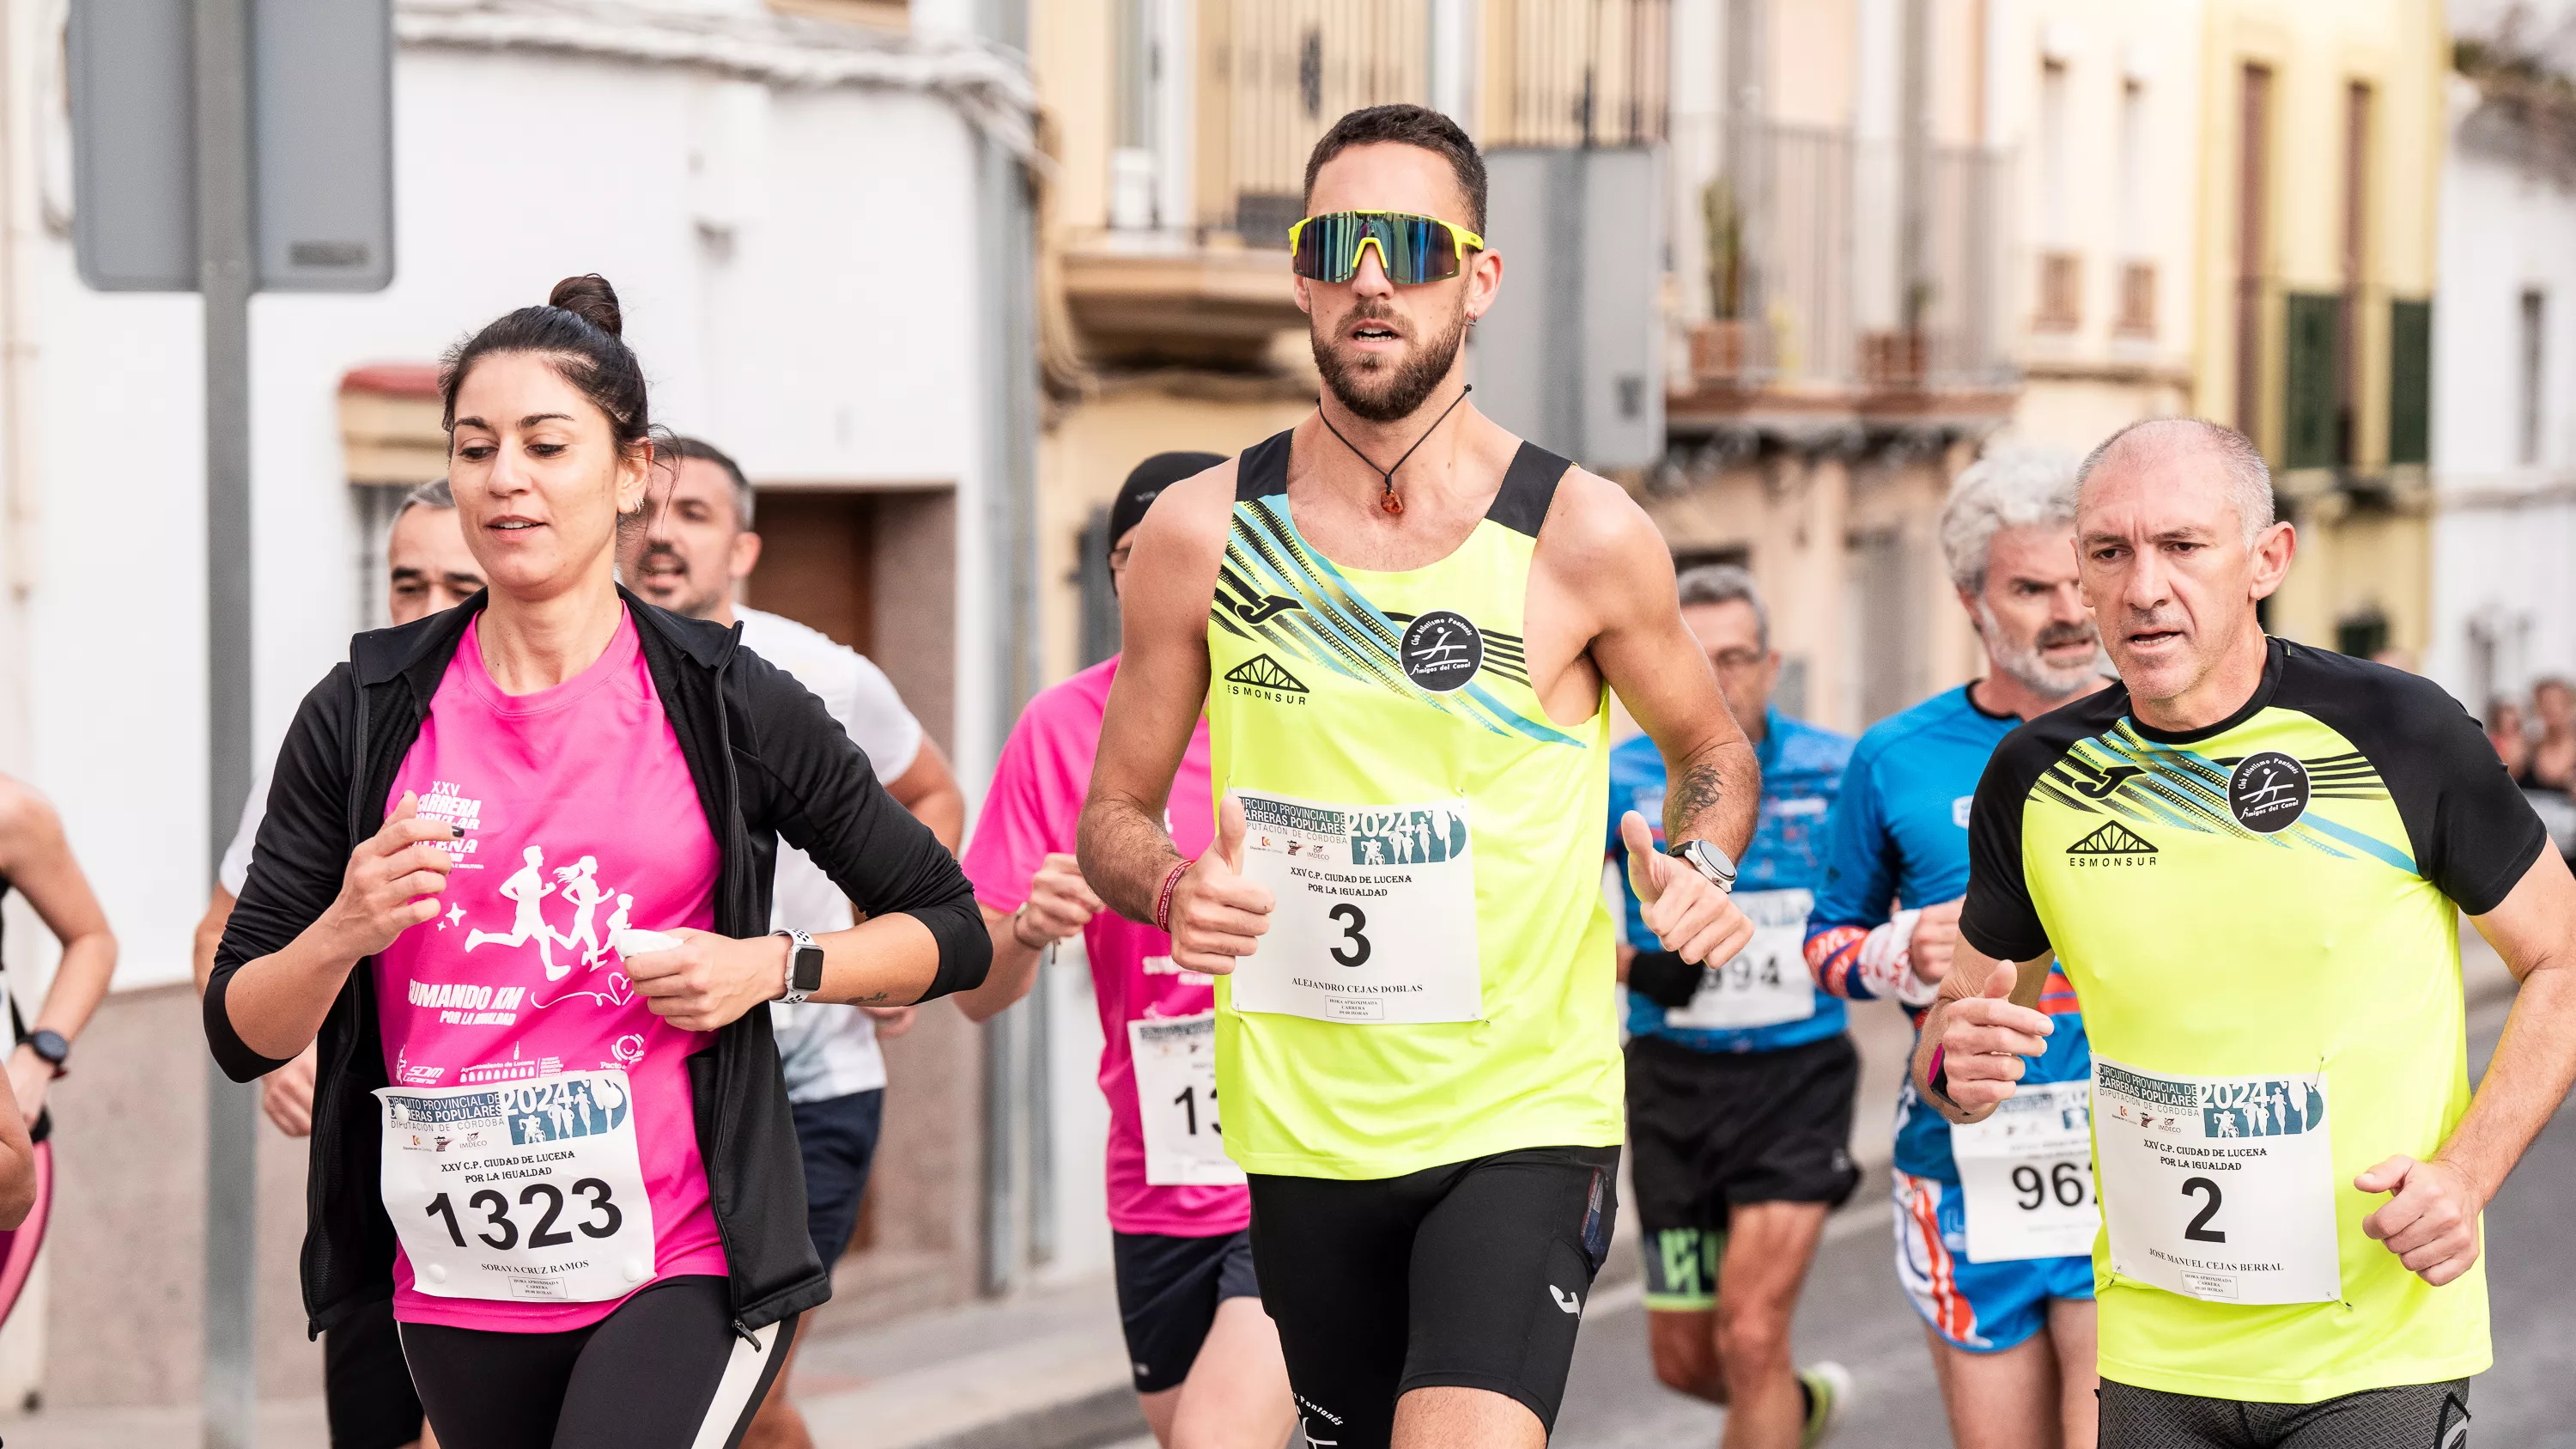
{"type": "Point", "coordinates": [788, 205]}
{"type": "Point", "coordinates": [2504, 394]}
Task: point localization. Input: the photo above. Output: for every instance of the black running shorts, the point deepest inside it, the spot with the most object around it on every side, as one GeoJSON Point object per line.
{"type": "Point", "coordinates": [1472, 1275]}
{"type": "Point", "coordinates": [665, 1371]}
{"type": "Point", "coordinates": [1712, 1130]}
{"type": "Point", "coordinates": [366, 1388]}
{"type": "Point", "coordinates": [1168, 1290]}
{"type": "Point", "coordinates": [2416, 1416]}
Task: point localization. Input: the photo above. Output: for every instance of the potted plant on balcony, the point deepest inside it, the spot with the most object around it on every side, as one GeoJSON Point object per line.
{"type": "Point", "coordinates": [1719, 345]}
{"type": "Point", "coordinates": [1900, 360]}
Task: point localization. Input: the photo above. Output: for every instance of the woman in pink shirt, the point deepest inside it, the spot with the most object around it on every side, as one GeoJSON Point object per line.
{"type": "Point", "coordinates": [554, 1134]}
{"type": "Point", "coordinates": [1205, 1356]}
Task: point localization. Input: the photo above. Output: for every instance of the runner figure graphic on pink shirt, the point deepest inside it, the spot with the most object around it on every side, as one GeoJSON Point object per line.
{"type": "Point", "coordinates": [581, 887]}
{"type": "Point", "coordinates": [527, 887]}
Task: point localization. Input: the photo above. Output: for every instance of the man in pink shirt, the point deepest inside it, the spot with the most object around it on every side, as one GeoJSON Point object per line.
{"type": "Point", "coordinates": [1206, 1357]}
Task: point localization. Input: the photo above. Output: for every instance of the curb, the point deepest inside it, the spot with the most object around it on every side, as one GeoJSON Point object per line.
{"type": "Point", "coordinates": [1106, 1416]}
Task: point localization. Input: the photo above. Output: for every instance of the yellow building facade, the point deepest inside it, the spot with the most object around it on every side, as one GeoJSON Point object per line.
{"type": "Point", "coordinates": [2321, 127]}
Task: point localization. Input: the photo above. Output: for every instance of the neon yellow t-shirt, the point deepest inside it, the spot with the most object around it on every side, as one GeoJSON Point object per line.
{"type": "Point", "coordinates": [2258, 918]}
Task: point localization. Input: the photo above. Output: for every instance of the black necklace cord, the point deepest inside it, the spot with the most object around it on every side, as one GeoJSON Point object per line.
{"type": "Point", "coordinates": [1387, 500]}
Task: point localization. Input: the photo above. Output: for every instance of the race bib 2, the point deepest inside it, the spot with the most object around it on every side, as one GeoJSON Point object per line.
{"type": "Point", "coordinates": [2219, 1188]}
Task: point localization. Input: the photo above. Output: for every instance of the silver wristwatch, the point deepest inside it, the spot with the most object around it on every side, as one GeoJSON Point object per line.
{"type": "Point", "coordinates": [804, 965]}
{"type": "Point", "coordinates": [1708, 860]}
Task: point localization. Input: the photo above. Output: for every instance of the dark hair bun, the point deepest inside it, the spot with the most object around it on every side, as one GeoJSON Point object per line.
{"type": "Point", "coordinates": [590, 298]}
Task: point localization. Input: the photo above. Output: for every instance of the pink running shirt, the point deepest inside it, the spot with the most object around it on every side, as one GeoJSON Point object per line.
{"type": "Point", "coordinates": [580, 819]}
{"type": "Point", "coordinates": [1035, 804]}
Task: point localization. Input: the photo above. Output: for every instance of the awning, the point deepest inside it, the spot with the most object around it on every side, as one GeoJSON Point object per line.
{"type": "Point", "coordinates": [389, 423]}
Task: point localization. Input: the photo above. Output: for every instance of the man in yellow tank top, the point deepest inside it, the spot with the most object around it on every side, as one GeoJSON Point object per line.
{"type": "Point", "coordinates": [1402, 623]}
{"type": "Point", "coordinates": [2250, 857]}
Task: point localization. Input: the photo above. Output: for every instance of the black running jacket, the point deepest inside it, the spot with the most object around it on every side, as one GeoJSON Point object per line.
{"type": "Point", "coordinates": [768, 761]}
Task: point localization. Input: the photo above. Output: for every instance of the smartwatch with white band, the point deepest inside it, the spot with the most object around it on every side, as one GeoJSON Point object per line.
{"type": "Point", "coordinates": [804, 965]}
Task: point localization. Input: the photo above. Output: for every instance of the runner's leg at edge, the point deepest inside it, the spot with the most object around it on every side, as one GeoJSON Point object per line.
{"type": "Point", "coordinates": [2071, 1332]}
{"type": "Point", "coordinates": [2002, 1400]}
{"type": "Point", "coordinates": [1237, 1395]}
{"type": "Point", "coordinates": [1769, 1249]}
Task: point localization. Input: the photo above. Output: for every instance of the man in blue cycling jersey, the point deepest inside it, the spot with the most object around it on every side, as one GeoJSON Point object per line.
{"type": "Point", "coordinates": [1994, 1223]}
{"type": "Point", "coordinates": [1740, 1078]}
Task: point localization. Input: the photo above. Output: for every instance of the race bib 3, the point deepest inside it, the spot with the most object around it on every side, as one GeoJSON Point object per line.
{"type": "Point", "coordinates": [1376, 914]}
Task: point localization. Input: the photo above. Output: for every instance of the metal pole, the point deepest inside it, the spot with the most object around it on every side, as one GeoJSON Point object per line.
{"type": "Point", "coordinates": [1006, 222]}
{"type": "Point", "coordinates": [226, 280]}
{"type": "Point", "coordinates": [1041, 1097]}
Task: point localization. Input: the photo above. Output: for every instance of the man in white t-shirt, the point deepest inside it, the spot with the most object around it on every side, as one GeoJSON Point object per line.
{"type": "Point", "coordinates": [690, 550]}
{"type": "Point", "coordinates": [366, 1386]}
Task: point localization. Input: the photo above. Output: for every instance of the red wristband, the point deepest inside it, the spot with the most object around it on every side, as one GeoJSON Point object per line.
{"type": "Point", "coordinates": [1163, 902]}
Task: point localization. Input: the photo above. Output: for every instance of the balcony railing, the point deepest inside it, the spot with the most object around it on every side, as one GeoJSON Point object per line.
{"type": "Point", "coordinates": [1830, 264]}
{"type": "Point", "coordinates": [1573, 73]}
{"type": "Point", "coordinates": [1274, 74]}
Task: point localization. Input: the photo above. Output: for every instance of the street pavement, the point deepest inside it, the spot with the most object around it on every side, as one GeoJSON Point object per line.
{"type": "Point", "coordinates": [1854, 1312]}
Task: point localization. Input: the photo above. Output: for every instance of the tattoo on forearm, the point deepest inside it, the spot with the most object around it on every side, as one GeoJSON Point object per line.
{"type": "Point", "coordinates": [1696, 792]}
{"type": "Point", "coordinates": [1714, 797]}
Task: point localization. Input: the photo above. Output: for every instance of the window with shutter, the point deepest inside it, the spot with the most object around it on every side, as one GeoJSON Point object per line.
{"type": "Point", "coordinates": [2309, 375]}
{"type": "Point", "coordinates": [2410, 381]}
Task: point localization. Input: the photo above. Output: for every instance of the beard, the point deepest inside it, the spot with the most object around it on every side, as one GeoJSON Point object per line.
{"type": "Point", "coordinates": [2028, 663]}
{"type": "Point", "coordinates": [1381, 390]}
{"type": "Point", "coordinates": [685, 600]}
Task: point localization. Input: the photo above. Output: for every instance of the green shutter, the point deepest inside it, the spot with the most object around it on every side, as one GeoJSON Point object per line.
{"type": "Point", "coordinates": [2308, 380]}
{"type": "Point", "coordinates": [2410, 382]}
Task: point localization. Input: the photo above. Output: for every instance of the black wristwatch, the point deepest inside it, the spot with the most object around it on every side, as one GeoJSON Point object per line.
{"type": "Point", "coordinates": [804, 966]}
{"type": "Point", "coordinates": [52, 1046]}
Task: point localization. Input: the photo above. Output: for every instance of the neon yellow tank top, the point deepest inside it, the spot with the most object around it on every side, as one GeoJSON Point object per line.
{"type": "Point", "coordinates": [1408, 796]}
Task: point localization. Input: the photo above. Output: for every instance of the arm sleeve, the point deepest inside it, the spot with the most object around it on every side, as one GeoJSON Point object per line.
{"type": "Point", "coordinates": [826, 801]}
{"type": "Point", "coordinates": [295, 870]}
{"type": "Point", "coordinates": [2476, 833]}
{"type": "Point", "coordinates": [1998, 917]}
{"type": "Point", "coordinates": [1860, 881]}
{"type": "Point", "coordinates": [1012, 831]}
{"type": "Point", "coordinates": [2472, 831]}
{"type": "Point", "coordinates": [1860, 873]}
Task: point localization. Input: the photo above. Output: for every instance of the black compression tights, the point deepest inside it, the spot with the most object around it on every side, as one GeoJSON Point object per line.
{"type": "Point", "coordinates": [655, 1374]}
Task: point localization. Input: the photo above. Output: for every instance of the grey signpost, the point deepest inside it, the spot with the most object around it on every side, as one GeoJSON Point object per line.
{"type": "Point", "coordinates": [1571, 356]}
{"type": "Point", "coordinates": [227, 147]}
